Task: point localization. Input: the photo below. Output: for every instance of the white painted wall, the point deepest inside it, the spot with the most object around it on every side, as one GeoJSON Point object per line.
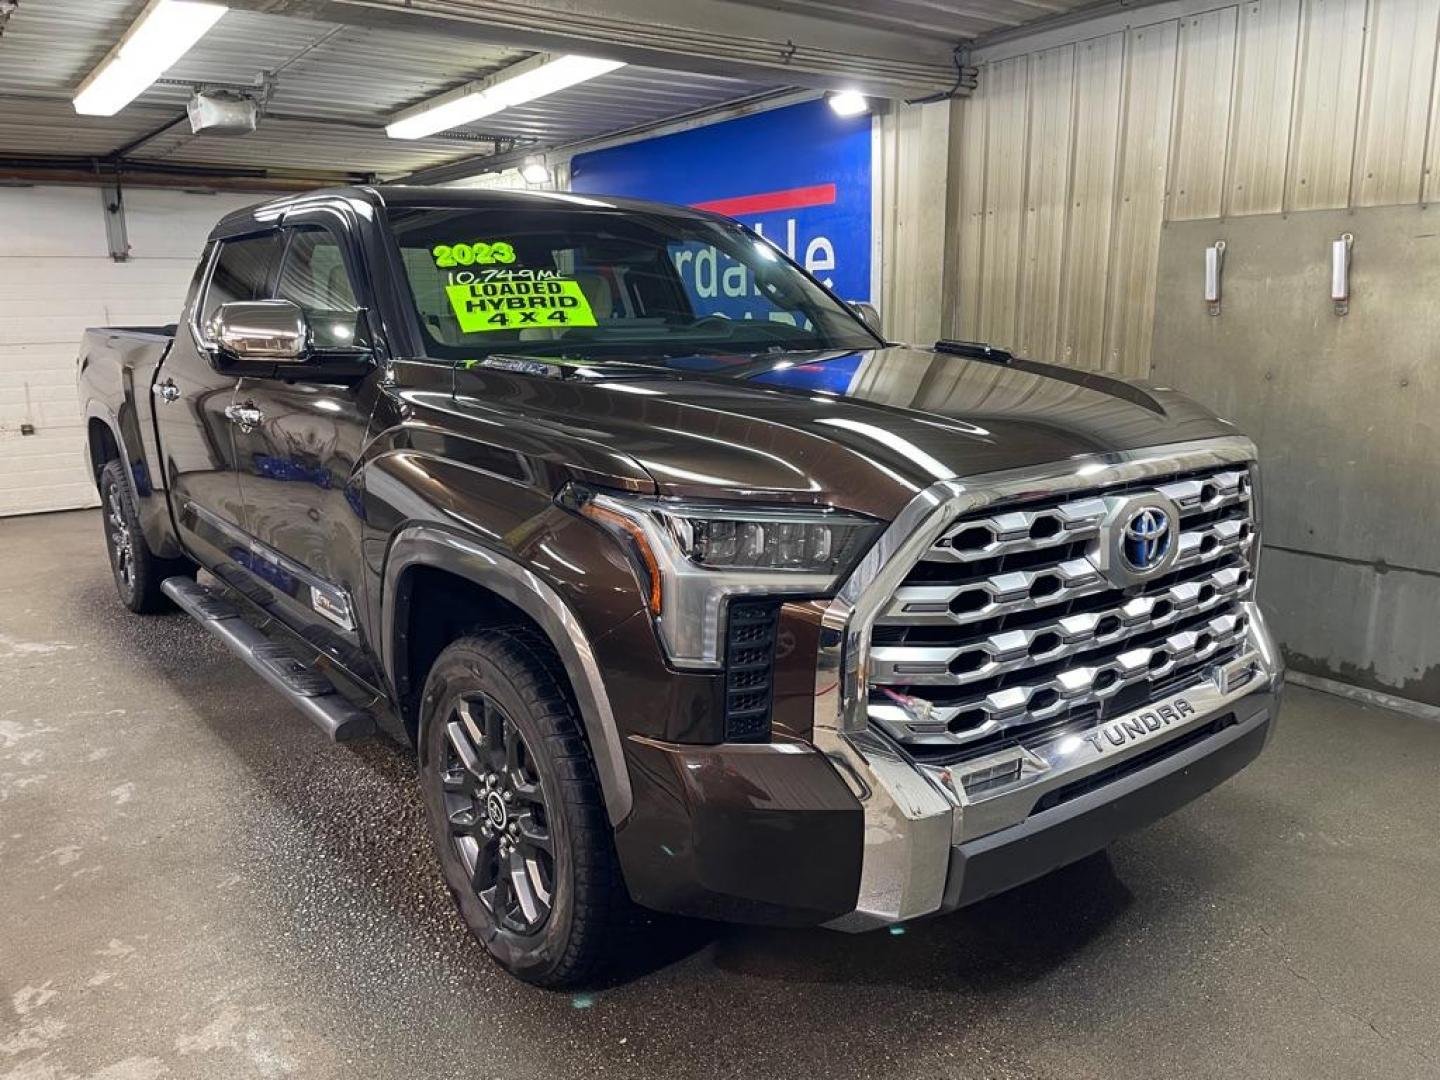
{"type": "Point", "coordinates": [56, 279]}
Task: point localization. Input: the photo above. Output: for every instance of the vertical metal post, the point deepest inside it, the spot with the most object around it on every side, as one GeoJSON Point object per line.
{"type": "Point", "coordinates": [113, 201]}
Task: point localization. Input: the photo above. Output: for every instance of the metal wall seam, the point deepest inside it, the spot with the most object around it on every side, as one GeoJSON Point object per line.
{"type": "Point", "coordinates": [1007, 112]}
{"type": "Point", "coordinates": [1204, 92]}
{"type": "Point", "coordinates": [970, 215]}
{"type": "Point", "coordinates": [1265, 73]}
{"type": "Point", "coordinates": [1047, 194]}
{"type": "Point", "coordinates": [1099, 99]}
{"type": "Point", "coordinates": [1149, 110]}
{"type": "Point", "coordinates": [1323, 138]}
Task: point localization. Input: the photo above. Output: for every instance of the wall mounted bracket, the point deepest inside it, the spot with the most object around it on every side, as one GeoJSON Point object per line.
{"type": "Point", "coordinates": [113, 200]}
{"type": "Point", "coordinates": [1214, 269]}
{"type": "Point", "coordinates": [1340, 273]}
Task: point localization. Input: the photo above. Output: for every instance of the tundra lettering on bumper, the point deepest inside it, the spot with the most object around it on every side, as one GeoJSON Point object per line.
{"type": "Point", "coordinates": [943, 833]}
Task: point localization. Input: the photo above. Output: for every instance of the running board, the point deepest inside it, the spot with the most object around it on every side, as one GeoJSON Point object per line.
{"type": "Point", "coordinates": [309, 689]}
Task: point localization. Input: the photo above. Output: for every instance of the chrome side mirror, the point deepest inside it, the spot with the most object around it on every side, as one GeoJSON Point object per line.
{"type": "Point", "coordinates": [273, 330]}
{"type": "Point", "coordinates": [868, 315]}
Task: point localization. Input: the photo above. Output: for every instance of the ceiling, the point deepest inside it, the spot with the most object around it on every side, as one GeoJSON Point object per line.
{"type": "Point", "coordinates": [331, 73]}
{"type": "Point", "coordinates": [951, 20]}
{"type": "Point", "coordinates": [334, 87]}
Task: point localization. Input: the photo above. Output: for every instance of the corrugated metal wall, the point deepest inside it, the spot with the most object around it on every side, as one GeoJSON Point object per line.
{"type": "Point", "coordinates": [911, 150]}
{"type": "Point", "coordinates": [1074, 153]}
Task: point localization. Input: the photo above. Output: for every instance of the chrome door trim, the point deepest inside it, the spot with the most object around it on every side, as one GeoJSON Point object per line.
{"type": "Point", "coordinates": [327, 599]}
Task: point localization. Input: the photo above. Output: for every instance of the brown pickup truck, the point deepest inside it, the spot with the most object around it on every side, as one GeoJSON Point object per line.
{"type": "Point", "coordinates": [708, 600]}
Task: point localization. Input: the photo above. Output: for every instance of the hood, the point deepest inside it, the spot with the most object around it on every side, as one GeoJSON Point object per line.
{"type": "Point", "coordinates": [861, 430]}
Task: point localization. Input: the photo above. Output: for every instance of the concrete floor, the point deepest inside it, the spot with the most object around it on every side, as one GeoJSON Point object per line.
{"type": "Point", "coordinates": [196, 884]}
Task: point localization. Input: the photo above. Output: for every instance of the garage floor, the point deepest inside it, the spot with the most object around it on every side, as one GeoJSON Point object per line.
{"type": "Point", "coordinates": [196, 884]}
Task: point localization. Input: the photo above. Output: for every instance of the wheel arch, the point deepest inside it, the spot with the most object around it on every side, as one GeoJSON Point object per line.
{"type": "Point", "coordinates": [420, 548]}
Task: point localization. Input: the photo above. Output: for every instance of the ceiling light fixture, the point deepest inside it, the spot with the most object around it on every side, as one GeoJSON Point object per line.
{"type": "Point", "coordinates": [534, 171]}
{"type": "Point", "coordinates": [848, 103]}
{"type": "Point", "coordinates": [515, 85]}
{"type": "Point", "coordinates": [163, 33]}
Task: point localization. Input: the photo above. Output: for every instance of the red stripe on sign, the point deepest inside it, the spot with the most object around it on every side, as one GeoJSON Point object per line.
{"type": "Point", "coordinates": [789, 199]}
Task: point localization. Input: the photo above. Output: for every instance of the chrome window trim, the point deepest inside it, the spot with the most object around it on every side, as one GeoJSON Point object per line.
{"type": "Point", "coordinates": [912, 816]}
{"type": "Point", "coordinates": [202, 343]}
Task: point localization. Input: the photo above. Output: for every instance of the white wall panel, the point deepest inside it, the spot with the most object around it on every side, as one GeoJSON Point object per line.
{"type": "Point", "coordinates": [58, 280]}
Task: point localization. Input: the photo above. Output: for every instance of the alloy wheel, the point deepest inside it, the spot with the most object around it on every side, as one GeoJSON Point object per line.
{"type": "Point", "coordinates": [498, 819]}
{"type": "Point", "coordinates": [121, 543]}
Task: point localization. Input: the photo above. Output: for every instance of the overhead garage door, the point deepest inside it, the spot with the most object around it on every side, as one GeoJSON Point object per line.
{"type": "Point", "coordinates": [59, 279]}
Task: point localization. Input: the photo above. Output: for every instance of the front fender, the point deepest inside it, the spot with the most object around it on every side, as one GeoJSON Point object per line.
{"type": "Point", "coordinates": [435, 546]}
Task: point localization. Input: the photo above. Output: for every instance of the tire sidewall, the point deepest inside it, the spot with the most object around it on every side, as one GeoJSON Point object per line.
{"type": "Point", "coordinates": [467, 668]}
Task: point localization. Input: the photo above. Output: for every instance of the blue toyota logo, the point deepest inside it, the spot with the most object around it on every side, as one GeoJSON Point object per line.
{"type": "Point", "coordinates": [1147, 538]}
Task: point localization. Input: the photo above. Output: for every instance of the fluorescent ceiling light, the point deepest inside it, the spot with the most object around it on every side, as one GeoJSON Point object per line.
{"type": "Point", "coordinates": [163, 33]}
{"type": "Point", "coordinates": [534, 171]}
{"type": "Point", "coordinates": [848, 103]}
{"type": "Point", "coordinates": [515, 85]}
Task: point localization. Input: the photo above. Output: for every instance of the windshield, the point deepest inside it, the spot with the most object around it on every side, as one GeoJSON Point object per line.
{"type": "Point", "coordinates": [561, 282]}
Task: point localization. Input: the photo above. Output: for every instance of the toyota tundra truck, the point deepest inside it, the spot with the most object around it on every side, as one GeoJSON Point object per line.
{"type": "Point", "coordinates": [690, 590]}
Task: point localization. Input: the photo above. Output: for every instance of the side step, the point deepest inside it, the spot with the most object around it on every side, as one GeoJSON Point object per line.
{"type": "Point", "coordinates": [274, 661]}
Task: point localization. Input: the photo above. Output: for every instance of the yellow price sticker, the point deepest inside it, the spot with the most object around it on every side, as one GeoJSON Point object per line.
{"type": "Point", "coordinates": [519, 304]}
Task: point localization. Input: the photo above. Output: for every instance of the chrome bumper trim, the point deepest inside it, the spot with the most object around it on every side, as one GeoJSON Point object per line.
{"type": "Point", "coordinates": [914, 814]}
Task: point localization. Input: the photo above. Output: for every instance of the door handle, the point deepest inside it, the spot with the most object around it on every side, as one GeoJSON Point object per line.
{"type": "Point", "coordinates": [247, 416]}
{"type": "Point", "coordinates": [166, 391]}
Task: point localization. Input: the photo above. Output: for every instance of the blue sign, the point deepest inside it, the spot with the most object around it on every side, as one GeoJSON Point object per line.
{"type": "Point", "coordinates": [800, 176]}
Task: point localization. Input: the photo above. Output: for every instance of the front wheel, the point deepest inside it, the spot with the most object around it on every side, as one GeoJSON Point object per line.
{"type": "Point", "coordinates": [515, 808]}
{"type": "Point", "coordinates": [137, 570]}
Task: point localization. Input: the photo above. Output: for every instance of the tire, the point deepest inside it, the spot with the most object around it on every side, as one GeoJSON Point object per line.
{"type": "Point", "coordinates": [137, 571]}
{"type": "Point", "coordinates": [508, 781]}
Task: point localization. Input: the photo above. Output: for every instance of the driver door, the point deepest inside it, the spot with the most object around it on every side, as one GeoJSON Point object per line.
{"type": "Point", "coordinates": [194, 396]}
{"type": "Point", "coordinates": [296, 458]}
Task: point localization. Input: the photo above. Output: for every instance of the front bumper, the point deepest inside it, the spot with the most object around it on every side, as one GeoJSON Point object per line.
{"type": "Point", "coordinates": [938, 838]}
{"type": "Point", "coordinates": [1091, 820]}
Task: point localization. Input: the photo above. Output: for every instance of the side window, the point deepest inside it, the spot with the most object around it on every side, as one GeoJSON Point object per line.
{"type": "Point", "coordinates": [314, 277]}
{"type": "Point", "coordinates": [242, 272]}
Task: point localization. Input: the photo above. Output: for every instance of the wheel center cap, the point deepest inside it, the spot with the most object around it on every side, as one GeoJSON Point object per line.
{"type": "Point", "coordinates": [496, 810]}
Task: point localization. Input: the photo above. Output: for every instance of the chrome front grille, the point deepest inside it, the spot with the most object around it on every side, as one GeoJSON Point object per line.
{"type": "Point", "coordinates": [1008, 626]}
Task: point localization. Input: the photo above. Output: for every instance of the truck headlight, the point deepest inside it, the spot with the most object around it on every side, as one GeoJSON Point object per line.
{"type": "Point", "coordinates": [693, 556]}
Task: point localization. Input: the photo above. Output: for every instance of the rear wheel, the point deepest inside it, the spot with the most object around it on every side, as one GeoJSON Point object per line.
{"type": "Point", "coordinates": [138, 572]}
{"type": "Point", "coordinates": [515, 808]}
